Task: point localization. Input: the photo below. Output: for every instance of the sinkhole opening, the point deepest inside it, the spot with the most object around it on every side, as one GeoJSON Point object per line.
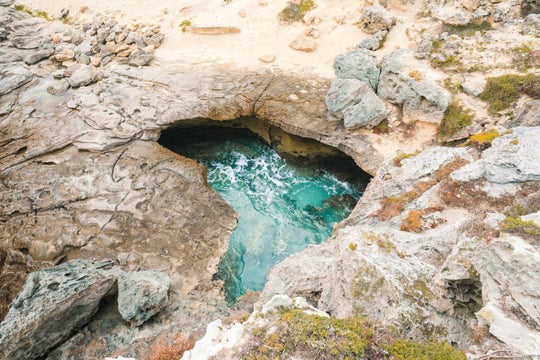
{"type": "Point", "coordinates": [288, 191]}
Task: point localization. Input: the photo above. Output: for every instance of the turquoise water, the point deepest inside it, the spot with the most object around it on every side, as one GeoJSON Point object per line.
{"type": "Point", "coordinates": [283, 207]}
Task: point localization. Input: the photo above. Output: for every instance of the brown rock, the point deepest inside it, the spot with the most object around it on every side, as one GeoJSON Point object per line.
{"type": "Point", "coordinates": [121, 37]}
{"type": "Point", "coordinates": [268, 58]}
{"type": "Point", "coordinates": [303, 43]}
{"type": "Point", "coordinates": [95, 61]}
{"type": "Point", "coordinates": [64, 55]}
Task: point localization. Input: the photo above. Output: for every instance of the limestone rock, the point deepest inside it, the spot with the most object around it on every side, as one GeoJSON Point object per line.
{"type": "Point", "coordinates": [528, 115]}
{"type": "Point", "coordinates": [83, 76]}
{"type": "Point", "coordinates": [422, 99]}
{"type": "Point", "coordinates": [65, 55]}
{"type": "Point", "coordinates": [303, 43]}
{"type": "Point", "coordinates": [38, 55]}
{"type": "Point", "coordinates": [58, 87]}
{"type": "Point", "coordinates": [342, 94]}
{"type": "Point", "coordinates": [267, 58]}
{"type": "Point", "coordinates": [52, 305]}
{"type": "Point", "coordinates": [13, 77]}
{"type": "Point", "coordinates": [140, 58]}
{"type": "Point", "coordinates": [142, 294]}
{"type": "Point", "coordinates": [376, 18]}
{"type": "Point", "coordinates": [474, 85]}
{"type": "Point", "coordinates": [370, 44]}
{"type": "Point", "coordinates": [452, 16]}
{"type": "Point", "coordinates": [358, 64]}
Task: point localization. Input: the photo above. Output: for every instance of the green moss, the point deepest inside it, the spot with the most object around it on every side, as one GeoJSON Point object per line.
{"type": "Point", "coordinates": [517, 211]}
{"type": "Point", "coordinates": [517, 226]}
{"type": "Point", "coordinates": [484, 137]}
{"type": "Point", "coordinates": [352, 246]}
{"type": "Point", "coordinates": [450, 61]}
{"type": "Point", "coordinates": [294, 334]}
{"type": "Point", "coordinates": [469, 29]}
{"type": "Point", "coordinates": [295, 12]}
{"type": "Point", "coordinates": [416, 75]}
{"type": "Point", "coordinates": [408, 350]}
{"type": "Point", "coordinates": [184, 24]}
{"type": "Point", "coordinates": [455, 118]}
{"type": "Point", "coordinates": [436, 46]}
{"type": "Point", "coordinates": [34, 13]}
{"type": "Point", "coordinates": [503, 91]}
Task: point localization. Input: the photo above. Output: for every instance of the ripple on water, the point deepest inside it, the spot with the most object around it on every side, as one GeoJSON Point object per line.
{"type": "Point", "coordinates": [283, 207]}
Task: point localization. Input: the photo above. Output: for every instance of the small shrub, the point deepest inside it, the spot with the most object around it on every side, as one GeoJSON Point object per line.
{"type": "Point", "coordinates": [520, 227]}
{"type": "Point", "coordinates": [416, 75]}
{"type": "Point", "coordinates": [455, 118]}
{"type": "Point", "coordinates": [503, 91]}
{"type": "Point", "coordinates": [408, 350]}
{"type": "Point", "coordinates": [452, 60]}
{"type": "Point", "coordinates": [173, 349]}
{"type": "Point", "coordinates": [295, 12]}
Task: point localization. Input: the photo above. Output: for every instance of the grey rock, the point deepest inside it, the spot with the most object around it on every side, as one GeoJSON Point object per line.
{"type": "Point", "coordinates": [533, 20]}
{"type": "Point", "coordinates": [52, 305]}
{"type": "Point", "coordinates": [380, 35]}
{"type": "Point", "coordinates": [376, 18]}
{"type": "Point", "coordinates": [82, 59]}
{"type": "Point", "coordinates": [132, 37]}
{"type": "Point", "coordinates": [500, 12]}
{"type": "Point", "coordinates": [474, 85]}
{"type": "Point", "coordinates": [424, 49]}
{"type": "Point", "coordinates": [37, 56]}
{"type": "Point", "coordinates": [101, 35]}
{"type": "Point", "coordinates": [480, 14]}
{"type": "Point", "coordinates": [13, 77]}
{"type": "Point", "coordinates": [452, 16]}
{"type": "Point", "coordinates": [6, 2]}
{"type": "Point", "coordinates": [58, 87]}
{"type": "Point", "coordinates": [3, 33]}
{"type": "Point", "coordinates": [83, 76]}
{"type": "Point", "coordinates": [370, 44]}
{"type": "Point", "coordinates": [155, 40]}
{"type": "Point", "coordinates": [355, 102]}
{"type": "Point", "coordinates": [141, 295]}
{"type": "Point", "coordinates": [528, 115]}
{"type": "Point", "coordinates": [84, 47]}
{"type": "Point", "coordinates": [422, 99]}
{"type": "Point", "coordinates": [140, 58]}
{"type": "Point", "coordinates": [360, 64]}
{"type": "Point", "coordinates": [9, 58]}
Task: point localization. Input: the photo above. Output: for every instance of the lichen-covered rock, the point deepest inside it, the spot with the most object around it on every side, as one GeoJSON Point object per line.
{"type": "Point", "coordinates": [528, 115]}
{"type": "Point", "coordinates": [405, 81]}
{"type": "Point", "coordinates": [376, 18]}
{"type": "Point", "coordinates": [360, 64]}
{"type": "Point", "coordinates": [142, 294]}
{"type": "Point", "coordinates": [52, 305]}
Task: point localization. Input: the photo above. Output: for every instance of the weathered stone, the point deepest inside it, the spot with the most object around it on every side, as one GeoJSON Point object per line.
{"type": "Point", "coordinates": [424, 49]}
{"type": "Point", "coordinates": [142, 294]}
{"type": "Point", "coordinates": [376, 18]}
{"type": "Point", "coordinates": [528, 115]}
{"type": "Point", "coordinates": [452, 16]}
{"type": "Point", "coordinates": [38, 55]}
{"type": "Point", "coordinates": [83, 76]}
{"type": "Point", "coordinates": [140, 58]}
{"type": "Point", "coordinates": [52, 305]}
{"type": "Point", "coordinates": [13, 77]}
{"type": "Point", "coordinates": [370, 44]}
{"type": "Point", "coordinates": [500, 13]}
{"type": "Point", "coordinates": [342, 94]}
{"type": "Point", "coordinates": [58, 87]}
{"type": "Point", "coordinates": [474, 85]}
{"type": "Point", "coordinates": [267, 58]}
{"type": "Point", "coordinates": [422, 99]}
{"type": "Point", "coordinates": [303, 43]}
{"type": "Point", "coordinates": [358, 64]}
{"type": "Point", "coordinates": [65, 55]}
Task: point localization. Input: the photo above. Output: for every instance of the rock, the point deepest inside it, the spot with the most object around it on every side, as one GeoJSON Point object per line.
{"type": "Point", "coordinates": [376, 18]}
{"type": "Point", "coordinates": [38, 55]}
{"type": "Point", "coordinates": [65, 55]}
{"type": "Point", "coordinates": [267, 58]}
{"type": "Point", "coordinates": [95, 61]}
{"type": "Point", "coordinates": [421, 97]}
{"type": "Point", "coordinates": [141, 295]}
{"type": "Point", "coordinates": [58, 87]}
{"type": "Point", "coordinates": [452, 16]}
{"type": "Point", "coordinates": [213, 30]}
{"type": "Point", "coordinates": [370, 44]}
{"type": "Point", "coordinates": [6, 2]}
{"type": "Point", "coordinates": [360, 64]}
{"type": "Point", "coordinates": [423, 49]}
{"type": "Point", "coordinates": [85, 47]}
{"type": "Point", "coordinates": [303, 43]}
{"type": "Point", "coordinates": [528, 115]}
{"type": "Point", "coordinates": [480, 14]}
{"type": "Point", "coordinates": [469, 5]}
{"type": "Point", "coordinates": [500, 13]}
{"type": "Point", "coordinates": [13, 77]}
{"type": "Point", "coordinates": [355, 102]}
{"type": "Point", "coordinates": [53, 304]}
{"type": "Point", "coordinates": [3, 33]}
{"type": "Point", "coordinates": [140, 58]}
{"type": "Point", "coordinates": [474, 85]}
{"type": "Point", "coordinates": [83, 76]}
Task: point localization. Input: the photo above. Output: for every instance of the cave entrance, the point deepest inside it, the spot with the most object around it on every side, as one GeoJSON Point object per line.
{"type": "Point", "coordinates": [289, 191]}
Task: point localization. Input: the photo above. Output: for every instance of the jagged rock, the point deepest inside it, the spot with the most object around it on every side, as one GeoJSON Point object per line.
{"type": "Point", "coordinates": [370, 44]}
{"type": "Point", "coordinates": [342, 94]}
{"type": "Point", "coordinates": [65, 55]}
{"type": "Point", "coordinates": [52, 305]}
{"type": "Point", "coordinates": [452, 16]}
{"type": "Point", "coordinates": [83, 76]}
{"type": "Point", "coordinates": [13, 77]}
{"type": "Point", "coordinates": [58, 87]}
{"type": "Point", "coordinates": [424, 49]}
{"type": "Point", "coordinates": [140, 58]}
{"type": "Point", "coordinates": [38, 55]}
{"type": "Point", "coordinates": [474, 85]}
{"type": "Point", "coordinates": [141, 295]}
{"type": "Point", "coordinates": [6, 2]}
{"type": "Point", "coordinates": [303, 43]}
{"type": "Point", "coordinates": [3, 33]}
{"type": "Point", "coordinates": [500, 13]}
{"type": "Point", "coordinates": [376, 18]}
{"type": "Point", "coordinates": [480, 14]}
{"type": "Point", "coordinates": [421, 98]}
{"type": "Point", "coordinates": [528, 115]}
{"type": "Point", "coordinates": [85, 47]}
{"type": "Point", "coordinates": [358, 64]}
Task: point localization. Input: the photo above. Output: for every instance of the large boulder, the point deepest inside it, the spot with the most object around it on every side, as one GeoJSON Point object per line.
{"type": "Point", "coordinates": [53, 304]}
{"type": "Point", "coordinates": [358, 64]}
{"type": "Point", "coordinates": [528, 115]}
{"type": "Point", "coordinates": [355, 102]}
{"type": "Point", "coordinates": [407, 82]}
{"type": "Point", "coordinates": [13, 77]}
{"type": "Point", "coordinates": [376, 18]}
{"type": "Point", "coordinates": [142, 294]}
{"type": "Point", "coordinates": [84, 75]}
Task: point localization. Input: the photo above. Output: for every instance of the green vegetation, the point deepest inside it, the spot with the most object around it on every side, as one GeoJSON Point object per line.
{"type": "Point", "coordinates": [517, 226]}
{"type": "Point", "coordinates": [352, 246]}
{"type": "Point", "coordinates": [382, 128]}
{"type": "Point", "coordinates": [295, 12]}
{"type": "Point", "coordinates": [416, 75]}
{"type": "Point", "coordinates": [294, 334]}
{"type": "Point", "coordinates": [397, 160]}
{"type": "Point", "coordinates": [452, 60]}
{"type": "Point", "coordinates": [184, 24]}
{"type": "Point", "coordinates": [469, 29]}
{"type": "Point", "coordinates": [501, 92]}
{"type": "Point", "coordinates": [455, 118]}
{"type": "Point", "coordinates": [34, 13]}
{"type": "Point", "coordinates": [485, 136]}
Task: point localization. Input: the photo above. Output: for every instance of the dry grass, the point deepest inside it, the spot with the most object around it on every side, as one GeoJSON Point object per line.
{"type": "Point", "coordinates": [171, 349]}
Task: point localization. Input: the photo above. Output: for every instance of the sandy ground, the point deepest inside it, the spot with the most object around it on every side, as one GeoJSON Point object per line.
{"type": "Point", "coordinates": [261, 32]}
